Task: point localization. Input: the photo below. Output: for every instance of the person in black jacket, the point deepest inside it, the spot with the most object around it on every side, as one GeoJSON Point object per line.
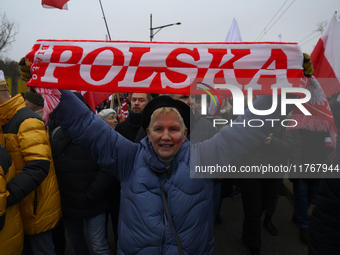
{"type": "Point", "coordinates": [84, 189]}
{"type": "Point", "coordinates": [130, 127]}
{"type": "Point", "coordinates": [311, 150]}
{"type": "Point", "coordinates": [324, 233]}
{"type": "Point", "coordinates": [260, 195]}
{"type": "Point", "coordinates": [324, 226]}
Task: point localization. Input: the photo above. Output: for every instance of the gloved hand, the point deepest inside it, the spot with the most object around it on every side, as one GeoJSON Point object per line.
{"type": "Point", "coordinates": [24, 70]}
{"type": "Point", "coordinates": [308, 69]}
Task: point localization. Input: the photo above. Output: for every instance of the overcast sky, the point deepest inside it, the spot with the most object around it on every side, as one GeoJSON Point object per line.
{"type": "Point", "coordinates": [202, 21]}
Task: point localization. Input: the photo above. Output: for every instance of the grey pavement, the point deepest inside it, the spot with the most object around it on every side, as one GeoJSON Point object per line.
{"type": "Point", "coordinates": [228, 234]}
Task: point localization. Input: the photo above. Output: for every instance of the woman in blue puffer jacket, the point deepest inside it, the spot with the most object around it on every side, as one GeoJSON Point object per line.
{"type": "Point", "coordinates": [163, 210]}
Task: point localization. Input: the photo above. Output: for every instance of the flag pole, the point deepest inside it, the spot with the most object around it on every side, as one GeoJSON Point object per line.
{"type": "Point", "coordinates": [107, 28]}
{"type": "Point", "coordinates": [117, 95]}
{"type": "Point", "coordinates": [120, 108]}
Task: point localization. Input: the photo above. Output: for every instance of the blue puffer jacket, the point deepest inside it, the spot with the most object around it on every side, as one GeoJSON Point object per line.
{"type": "Point", "coordinates": [144, 227]}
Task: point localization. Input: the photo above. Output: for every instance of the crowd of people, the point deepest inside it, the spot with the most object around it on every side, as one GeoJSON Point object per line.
{"type": "Point", "coordinates": [84, 167]}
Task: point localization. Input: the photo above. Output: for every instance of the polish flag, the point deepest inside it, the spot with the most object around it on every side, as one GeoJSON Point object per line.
{"type": "Point", "coordinates": [123, 112]}
{"type": "Point", "coordinates": [60, 4]}
{"type": "Point", "coordinates": [326, 58]}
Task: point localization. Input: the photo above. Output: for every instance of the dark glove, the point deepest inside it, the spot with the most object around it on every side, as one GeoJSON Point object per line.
{"type": "Point", "coordinates": [308, 69]}
{"type": "Point", "coordinates": [24, 70]}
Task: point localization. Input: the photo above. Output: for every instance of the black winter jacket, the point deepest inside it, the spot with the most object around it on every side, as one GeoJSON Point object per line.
{"type": "Point", "coordinates": [83, 184]}
{"type": "Point", "coordinates": [130, 127]}
{"type": "Point", "coordinates": [324, 226]}
{"type": "Point", "coordinates": [274, 154]}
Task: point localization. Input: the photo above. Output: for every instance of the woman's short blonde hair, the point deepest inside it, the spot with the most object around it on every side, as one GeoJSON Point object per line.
{"type": "Point", "coordinates": [167, 110]}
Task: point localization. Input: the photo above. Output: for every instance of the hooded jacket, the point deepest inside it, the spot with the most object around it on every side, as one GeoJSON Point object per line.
{"type": "Point", "coordinates": [11, 229]}
{"type": "Point", "coordinates": [25, 136]}
{"type": "Point", "coordinates": [144, 227]}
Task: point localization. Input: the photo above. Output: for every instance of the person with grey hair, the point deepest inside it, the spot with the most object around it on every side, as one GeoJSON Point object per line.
{"type": "Point", "coordinates": [109, 116]}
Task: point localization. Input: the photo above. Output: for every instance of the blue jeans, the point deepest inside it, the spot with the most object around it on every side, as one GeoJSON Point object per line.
{"type": "Point", "coordinates": [96, 233]}
{"type": "Point", "coordinates": [39, 244]}
{"type": "Point", "coordinates": [304, 192]}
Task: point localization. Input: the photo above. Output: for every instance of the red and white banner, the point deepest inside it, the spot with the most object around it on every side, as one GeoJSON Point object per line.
{"type": "Point", "coordinates": [145, 67]}
{"type": "Point", "coordinates": [59, 4]}
{"type": "Point", "coordinates": [326, 58]}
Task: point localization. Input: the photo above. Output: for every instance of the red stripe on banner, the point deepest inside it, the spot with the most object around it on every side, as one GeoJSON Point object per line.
{"type": "Point", "coordinates": [158, 42]}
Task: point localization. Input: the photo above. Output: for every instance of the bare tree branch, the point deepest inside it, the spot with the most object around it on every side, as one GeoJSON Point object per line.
{"type": "Point", "coordinates": [8, 30]}
{"type": "Point", "coordinates": [321, 26]}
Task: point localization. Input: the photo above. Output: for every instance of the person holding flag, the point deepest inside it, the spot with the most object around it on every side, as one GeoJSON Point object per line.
{"type": "Point", "coordinates": [173, 212]}
{"type": "Point", "coordinates": [163, 210]}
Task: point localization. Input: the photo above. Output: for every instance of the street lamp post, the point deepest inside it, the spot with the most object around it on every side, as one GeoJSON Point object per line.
{"type": "Point", "coordinates": [152, 34]}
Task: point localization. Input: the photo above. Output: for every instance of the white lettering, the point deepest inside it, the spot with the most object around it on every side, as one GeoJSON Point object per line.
{"type": "Point", "coordinates": [297, 101]}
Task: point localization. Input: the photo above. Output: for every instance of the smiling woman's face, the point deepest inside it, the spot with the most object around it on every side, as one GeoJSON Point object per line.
{"type": "Point", "coordinates": [166, 134]}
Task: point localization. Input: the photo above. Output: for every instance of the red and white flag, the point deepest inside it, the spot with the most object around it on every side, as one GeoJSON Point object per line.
{"type": "Point", "coordinates": [94, 98]}
{"type": "Point", "coordinates": [123, 112]}
{"type": "Point", "coordinates": [60, 4]}
{"type": "Point", "coordinates": [326, 58]}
